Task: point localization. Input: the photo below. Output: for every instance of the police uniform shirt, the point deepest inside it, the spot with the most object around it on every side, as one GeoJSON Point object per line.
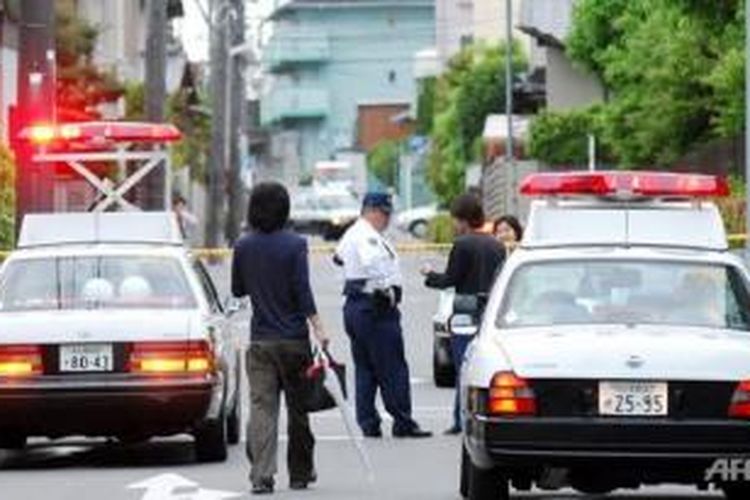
{"type": "Point", "coordinates": [367, 255]}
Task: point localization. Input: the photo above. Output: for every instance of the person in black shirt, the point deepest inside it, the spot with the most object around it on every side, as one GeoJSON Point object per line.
{"type": "Point", "coordinates": [271, 266]}
{"type": "Point", "coordinates": [473, 264]}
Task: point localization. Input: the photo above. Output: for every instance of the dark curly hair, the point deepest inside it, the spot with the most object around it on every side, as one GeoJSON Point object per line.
{"type": "Point", "coordinates": [468, 208]}
{"type": "Point", "coordinates": [513, 222]}
{"type": "Point", "coordinates": [268, 209]}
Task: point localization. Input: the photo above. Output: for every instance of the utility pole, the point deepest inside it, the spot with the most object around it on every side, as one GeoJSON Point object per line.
{"type": "Point", "coordinates": [216, 168]}
{"type": "Point", "coordinates": [36, 103]}
{"type": "Point", "coordinates": [235, 119]}
{"type": "Point", "coordinates": [152, 195]}
{"type": "Point", "coordinates": [509, 144]}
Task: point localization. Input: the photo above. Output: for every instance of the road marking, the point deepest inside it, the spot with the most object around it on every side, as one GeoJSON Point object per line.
{"type": "Point", "coordinates": [177, 487]}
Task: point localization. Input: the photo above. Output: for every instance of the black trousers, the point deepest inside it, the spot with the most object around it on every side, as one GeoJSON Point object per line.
{"type": "Point", "coordinates": [274, 367]}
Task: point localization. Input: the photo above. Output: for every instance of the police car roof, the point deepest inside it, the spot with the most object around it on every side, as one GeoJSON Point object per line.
{"type": "Point", "coordinates": [154, 228]}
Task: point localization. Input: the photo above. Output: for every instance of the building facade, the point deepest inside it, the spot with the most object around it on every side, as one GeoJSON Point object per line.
{"type": "Point", "coordinates": [454, 27]}
{"type": "Point", "coordinates": [340, 73]}
{"type": "Point", "coordinates": [9, 33]}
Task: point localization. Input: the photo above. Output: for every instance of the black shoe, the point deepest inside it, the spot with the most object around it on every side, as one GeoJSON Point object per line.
{"type": "Point", "coordinates": [453, 431]}
{"type": "Point", "coordinates": [414, 433]}
{"type": "Point", "coordinates": [263, 487]}
{"type": "Point", "coordinates": [302, 484]}
{"type": "Point", "coordinates": [375, 434]}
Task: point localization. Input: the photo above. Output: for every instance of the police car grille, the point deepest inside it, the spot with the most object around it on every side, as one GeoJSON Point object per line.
{"type": "Point", "coordinates": [579, 398]}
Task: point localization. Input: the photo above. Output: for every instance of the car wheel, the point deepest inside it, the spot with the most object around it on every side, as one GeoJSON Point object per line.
{"type": "Point", "coordinates": [736, 491]}
{"type": "Point", "coordinates": [443, 375]}
{"type": "Point", "coordinates": [463, 486]}
{"type": "Point", "coordinates": [418, 229]}
{"type": "Point", "coordinates": [487, 484]}
{"type": "Point", "coordinates": [13, 442]}
{"type": "Point", "coordinates": [234, 419]}
{"type": "Point", "coordinates": [211, 441]}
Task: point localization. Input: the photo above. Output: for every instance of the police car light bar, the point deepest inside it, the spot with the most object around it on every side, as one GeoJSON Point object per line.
{"type": "Point", "coordinates": [625, 184]}
{"type": "Point", "coordinates": [99, 132]}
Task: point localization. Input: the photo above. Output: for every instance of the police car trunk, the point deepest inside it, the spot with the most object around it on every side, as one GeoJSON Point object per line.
{"type": "Point", "coordinates": [596, 357]}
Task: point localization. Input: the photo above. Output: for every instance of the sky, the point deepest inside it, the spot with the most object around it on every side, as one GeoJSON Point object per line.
{"type": "Point", "coordinates": [194, 31]}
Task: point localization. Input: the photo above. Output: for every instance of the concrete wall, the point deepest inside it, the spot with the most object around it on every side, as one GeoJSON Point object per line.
{"type": "Point", "coordinates": [8, 74]}
{"type": "Point", "coordinates": [569, 87]}
{"type": "Point", "coordinates": [489, 24]}
{"type": "Point", "coordinates": [454, 26]}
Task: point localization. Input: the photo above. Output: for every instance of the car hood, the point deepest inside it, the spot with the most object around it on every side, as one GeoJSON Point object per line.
{"type": "Point", "coordinates": [623, 352]}
{"type": "Point", "coordinates": [42, 327]}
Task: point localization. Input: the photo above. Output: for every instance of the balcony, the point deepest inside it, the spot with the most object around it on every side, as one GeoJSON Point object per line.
{"type": "Point", "coordinates": [294, 104]}
{"type": "Point", "coordinates": [291, 49]}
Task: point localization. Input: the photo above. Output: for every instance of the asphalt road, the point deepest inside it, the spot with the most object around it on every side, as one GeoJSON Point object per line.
{"type": "Point", "coordinates": [75, 469]}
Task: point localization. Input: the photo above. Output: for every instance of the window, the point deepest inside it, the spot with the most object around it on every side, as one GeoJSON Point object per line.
{"type": "Point", "coordinates": [96, 282]}
{"type": "Point", "coordinates": [625, 292]}
{"type": "Point", "coordinates": [392, 76]}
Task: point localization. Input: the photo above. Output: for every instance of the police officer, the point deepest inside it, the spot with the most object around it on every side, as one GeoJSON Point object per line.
{"type": "Point", "coordinates": [373, 322]}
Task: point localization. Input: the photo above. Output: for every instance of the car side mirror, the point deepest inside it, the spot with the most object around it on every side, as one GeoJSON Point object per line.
{"type": "Point", "coordinates": [463, 324]}
{"type": "Point", "coordinates": [467, 305]}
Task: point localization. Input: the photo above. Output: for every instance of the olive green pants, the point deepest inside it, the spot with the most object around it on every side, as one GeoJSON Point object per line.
{"type": "Point", "coordinates": [274, 367]}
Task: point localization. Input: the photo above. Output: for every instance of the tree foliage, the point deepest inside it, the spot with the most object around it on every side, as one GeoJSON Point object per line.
{"type": "Point", "coordinates": [81, 85]}
{"type": "Point", "coordinates": [674, 71]}
{"type": "Point", "coordinates": [563, 138]}
{"type": "Point", "coordinates": [383, 160]}
{"type": "Point", "coordinates": [472, 88]}
{"type": "Point", "coordinates": [7, 198]}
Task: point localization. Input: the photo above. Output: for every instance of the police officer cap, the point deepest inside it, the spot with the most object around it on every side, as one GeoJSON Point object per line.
{"type": "Point", "coordinates": [381, 201]}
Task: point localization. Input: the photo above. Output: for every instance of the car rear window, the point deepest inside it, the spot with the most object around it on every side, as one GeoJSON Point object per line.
{"type": "Point", "coordinates": [111, 282]}
{"type": "Point", "coordinates": [622, 292]}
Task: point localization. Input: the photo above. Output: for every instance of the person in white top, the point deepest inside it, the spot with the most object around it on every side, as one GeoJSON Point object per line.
{"type": "Point", "coordinates": [373, 290]}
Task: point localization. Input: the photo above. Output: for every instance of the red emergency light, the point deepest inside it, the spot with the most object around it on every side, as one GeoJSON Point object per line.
{"type": "Point", "coordinates": [625, 184]}
{"type": "Point", "coordinates": [64, 134]}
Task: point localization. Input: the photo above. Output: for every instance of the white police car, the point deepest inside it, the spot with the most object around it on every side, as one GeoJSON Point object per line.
{"type": "Point", "coordinates": [615, 348]}
{"type": "Point", "coordinates": [109, 328]}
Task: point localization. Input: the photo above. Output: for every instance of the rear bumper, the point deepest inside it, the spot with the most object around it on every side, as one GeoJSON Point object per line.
{"type": "Point", "coordinates": [63, 406]}
{"type": "Point", "coordinates": [600, 442]}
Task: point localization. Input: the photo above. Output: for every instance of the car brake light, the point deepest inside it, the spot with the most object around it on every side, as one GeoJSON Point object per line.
{"type": "Point", "coordinates": [740, 405]}
{"type": "Point", "coordinates": [20, 361]}
{"type": "Point", "coordinates": [511, 396]}
{"type": "Point", "coordinates": [160, 358]}
{"type": "Point", "coordinates": [634, 184]}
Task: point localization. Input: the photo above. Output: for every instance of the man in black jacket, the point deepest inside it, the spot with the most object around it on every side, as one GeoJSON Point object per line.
{"type": "Point", "coordinates": [474, 261]}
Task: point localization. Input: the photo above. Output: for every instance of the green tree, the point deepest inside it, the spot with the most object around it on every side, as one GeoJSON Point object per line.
{"type": "Point", "coordinates": [562, 138]}
{"type": "Point", "coordinates": [674, 70]}
{"type": "Point", "coordinates": [81, 85]}
{"type": "Point", "coordinates": [472, 88]}
{"type": "Point", "coordinates": [7, 198]}
{"type": "Point", "coordinates": [383, 160]}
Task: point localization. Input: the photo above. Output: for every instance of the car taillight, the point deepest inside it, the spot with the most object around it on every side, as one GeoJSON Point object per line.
{"type": "Point", "coordinates": [511, 396]}
{"type": "Point", "coordinates": [166, 358]}
{"type": "Point", "coordinates": [20, 361]}
{"type": "Point", "coordinates": [740, 405]}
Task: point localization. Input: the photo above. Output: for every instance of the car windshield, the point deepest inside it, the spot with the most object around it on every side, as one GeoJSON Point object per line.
{"type": "Point", "coordinates": [94, 283]}
{"type": "Point", "coordinates": [613, 292]}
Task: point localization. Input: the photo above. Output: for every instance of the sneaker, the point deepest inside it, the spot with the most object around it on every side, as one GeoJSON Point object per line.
{"type": "Point", "coordinates": [452, 431]}
{"type": "Point", "coordinates": [375, 433]}
{"type": "Point", "coordinates": [263, 487]}
{"type": "Point", "coordinates": [302, 484]}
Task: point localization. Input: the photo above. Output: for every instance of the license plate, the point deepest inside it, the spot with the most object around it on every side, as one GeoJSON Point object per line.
{"type": "Point", "coordinates": [86, 358]}
{"type": "Point", "coordinates": [634, 399]}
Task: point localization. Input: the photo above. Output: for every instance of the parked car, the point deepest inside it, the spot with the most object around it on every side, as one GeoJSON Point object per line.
{"type": "Point", "coordinates": [615, 348]}
{"type": "Point", "coordinates": [325, 213]}
{"type": "Point", "coordinates": [417, 220]}
{"type": "Point", "coordinates": [110, 328]}
{"type": "Point", "coordinates": [443, 370]}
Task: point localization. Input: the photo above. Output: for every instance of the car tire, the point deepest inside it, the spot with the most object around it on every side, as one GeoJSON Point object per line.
{"type": "Point", "coordinates": [463, 485]}
{"type": "Point", "coordinates": [13, 442]}
{"type": "Point", "coordinates": [487, 484]}
{"type": "Point", "coordinates": [211, 441]}
{"type": "Point", "coordinates": [736, 491]}
{"type": "Point", "coordinates": [234, 419]}
{"type": "Point", "coordinates": [418, 229]}
{"type": "Point", "coordinates": [443, 375]}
